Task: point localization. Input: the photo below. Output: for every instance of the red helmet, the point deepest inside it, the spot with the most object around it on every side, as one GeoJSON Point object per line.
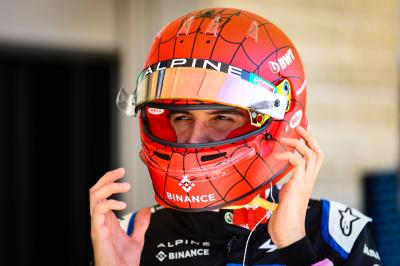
{"type": "Point", "coordinates": [218, 58]}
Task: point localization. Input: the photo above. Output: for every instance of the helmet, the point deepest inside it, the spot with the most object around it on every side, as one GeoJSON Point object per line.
{"type": "Point", "coordinates": [211, 59]}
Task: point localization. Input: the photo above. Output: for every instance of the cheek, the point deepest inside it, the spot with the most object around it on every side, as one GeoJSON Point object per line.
{"type": "Point", "coordinates": [224, 132]}
{"type": "Point", "coordinates": [182, 137]}
{"type": "Point", "coordinates": [217, 134]}
{"type": "Point", "coordinates": [182, 131]}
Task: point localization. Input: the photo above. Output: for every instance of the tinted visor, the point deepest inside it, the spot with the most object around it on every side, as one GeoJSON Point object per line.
{"type": "Point", "coordinates": [253, 93]}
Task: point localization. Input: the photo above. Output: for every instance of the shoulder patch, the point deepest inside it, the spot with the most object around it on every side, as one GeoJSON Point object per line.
{"type": "Point", "coordinates": [341, 225]}
{"type": "Point", "coordinates": [126, 221]}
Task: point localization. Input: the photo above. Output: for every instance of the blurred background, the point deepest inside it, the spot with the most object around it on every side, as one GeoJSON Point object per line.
{"type": "Point", "coordinates": [62, 63]}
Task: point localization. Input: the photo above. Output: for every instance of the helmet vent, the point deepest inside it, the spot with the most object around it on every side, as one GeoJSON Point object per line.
{"type": "Point", "coordinates": [162, 155]}
{"type": "Point", "coordinates": [210, 157]}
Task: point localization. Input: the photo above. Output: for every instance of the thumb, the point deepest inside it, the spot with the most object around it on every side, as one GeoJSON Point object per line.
{"type": "Point", "coordinates": [142, 221]}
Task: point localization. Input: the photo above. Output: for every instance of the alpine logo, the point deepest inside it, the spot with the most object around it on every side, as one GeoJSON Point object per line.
{"type": "Point", "coordinates": [269, 246]}
{"type": "Point", "coordinates": [180, 242]}
{"type": "Point", "coordinates": [186, 184]}
{"type": "Point", "coordinates": [283, 62]}
{"type": "Point", "coordinates": [182, 249]}
{"type": "Point", "coordinates": [194, 62]}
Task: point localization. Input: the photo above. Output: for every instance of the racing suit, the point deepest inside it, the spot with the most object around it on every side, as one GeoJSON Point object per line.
{"type": "Point", "coordinates": [334, 232]}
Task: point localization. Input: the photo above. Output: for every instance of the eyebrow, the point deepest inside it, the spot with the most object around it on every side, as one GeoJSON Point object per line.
{"type": "Point", "coordinates": [234, 111]}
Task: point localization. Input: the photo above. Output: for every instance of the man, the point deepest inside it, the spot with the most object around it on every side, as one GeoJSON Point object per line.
{"type": "Point", "coordinates": [222, 99]}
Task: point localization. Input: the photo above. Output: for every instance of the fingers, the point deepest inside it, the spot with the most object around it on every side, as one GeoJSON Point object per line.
{"type": "Point", "coordinates": [109, 177]}
{"type": "Point", "coordinates": [142, 221]}
{"type": "Point", "coordinates": [310, 141]}
{"type": "Point", "coordinates": [102, 208]}
{"type": "Point", "coordinates": [308, 149]}
{"type": "Point", "coordinates": [106, 191]}
{"type": "Point", "coordinates": [301, 147]}
{"type": "Point", "coordinates": [310, 154]}
{"type": "Point", "coordinates": [298, 164]}
{"type": "Point", "coordinates": [106, 187]}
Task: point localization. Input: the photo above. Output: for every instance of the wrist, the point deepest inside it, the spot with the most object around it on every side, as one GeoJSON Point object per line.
{"type": "Point", "coordinates": [288, 239]}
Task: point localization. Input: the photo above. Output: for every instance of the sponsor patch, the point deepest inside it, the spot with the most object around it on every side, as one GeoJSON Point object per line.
{"type": "Point", "coordinates": [370, 252]}
{"type": "Point", "coordinates": [296, 119]}
{"type": "Point", "coordinates": [186, 184]}
{"type": "Point", "coordinates": [282, 62]}
{"type": "Point", "coordinates": [341, 225]}
{"type": "Point", "coordinates": [228, 217]}
{"type": "Point", "coordinates": [188, 248]}
{"type": "Point", "coordinates": [269, 246]}
{"type": "Point", "coordinates": [192, 198]}
{"type": "Point", "coordinates": [156, 111]}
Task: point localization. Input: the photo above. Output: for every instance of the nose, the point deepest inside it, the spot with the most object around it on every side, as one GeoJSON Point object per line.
{"type": "Point", "coordinates": [200, 133]}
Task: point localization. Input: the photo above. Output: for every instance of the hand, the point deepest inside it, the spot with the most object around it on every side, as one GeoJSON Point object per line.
{"type": "Point", "coordinates": [287, 223]}
{"type": "Point", "coordinates": [111, 244]}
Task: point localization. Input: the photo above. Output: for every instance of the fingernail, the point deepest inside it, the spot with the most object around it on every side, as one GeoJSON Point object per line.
{"type": "Point", "coordinates": [125, 185]}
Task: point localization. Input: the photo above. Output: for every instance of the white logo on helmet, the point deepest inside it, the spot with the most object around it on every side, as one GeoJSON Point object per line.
{"type": "Point", "coordinates": [156, 111]}
{"type": "Point", "coordinates": [186, 184]}
{"type": "Point", "coordinates": [283, 62]}
{"type": "Point", "coordinates": [296, 119]}
{"type": "Point", "coordinates": [275, 68]}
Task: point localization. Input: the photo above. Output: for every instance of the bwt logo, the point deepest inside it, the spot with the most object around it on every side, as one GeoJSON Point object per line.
{"type": "Point", "coordinates": [283, 62]}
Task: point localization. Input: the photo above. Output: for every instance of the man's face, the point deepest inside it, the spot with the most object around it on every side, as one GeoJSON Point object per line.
{"type": "Point", "coordinates": [204, 126]}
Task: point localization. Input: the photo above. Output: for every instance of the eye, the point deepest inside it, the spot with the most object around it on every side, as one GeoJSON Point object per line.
{"type": "Point", "coordinates": [223, 117]}
{"type": "Point", "coordinates": [179, 117]}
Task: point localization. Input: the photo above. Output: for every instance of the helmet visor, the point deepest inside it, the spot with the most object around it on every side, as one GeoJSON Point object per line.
{"type": "Point", "coordinates": [247, 91]}
{"type": "Point", "coordinates": [191, 125]}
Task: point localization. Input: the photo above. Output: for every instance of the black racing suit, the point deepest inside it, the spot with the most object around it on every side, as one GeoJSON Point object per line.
{"type": "Point", "coordinates": [333, 231]}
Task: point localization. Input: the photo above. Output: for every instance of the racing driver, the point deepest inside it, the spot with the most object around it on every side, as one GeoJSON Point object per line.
{"type": "Point", "coordinates": [221, 102]}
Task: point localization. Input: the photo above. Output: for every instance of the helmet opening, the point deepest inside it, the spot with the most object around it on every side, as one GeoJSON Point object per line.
{"type": "Point", "coordinates": [156, 123]}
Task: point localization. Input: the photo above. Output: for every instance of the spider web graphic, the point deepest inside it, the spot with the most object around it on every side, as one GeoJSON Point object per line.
{"type": "Point", "coordinates": [152, 155]}
{"type": "Point", "coordinates": [225, 18]}
{"type": "Point", "coordinates": [210, 180]}
{"type": "Point", "coordinates": [202, 16]}
{"type": "Point", "coordinates": [243, 177]}
{"type": "Point", "coordinates": [197, 41]}
{"type": "Point", "coordinates": [205, 176]}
